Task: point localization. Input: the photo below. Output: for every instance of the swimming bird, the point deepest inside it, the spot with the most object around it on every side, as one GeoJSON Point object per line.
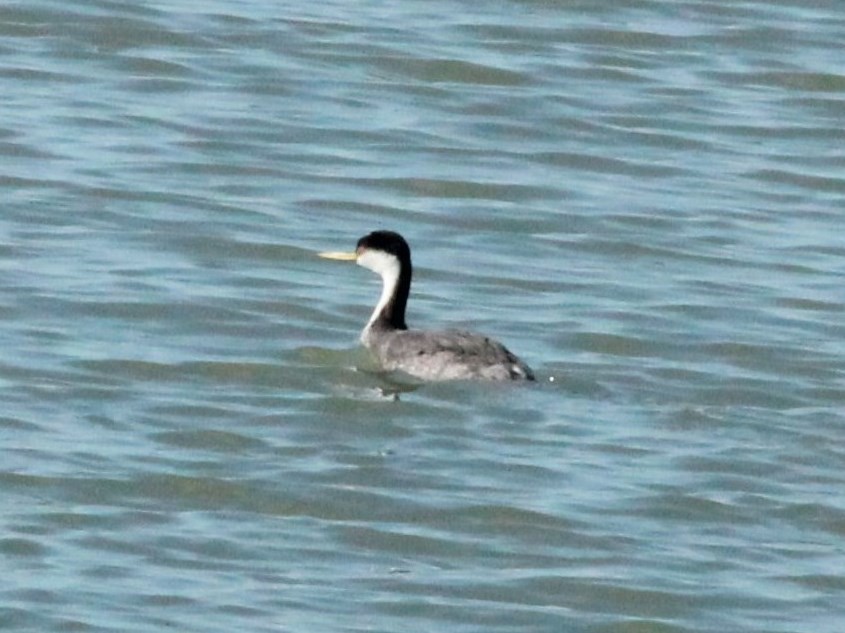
{"type": "Point", "coordinates": [423, 354]}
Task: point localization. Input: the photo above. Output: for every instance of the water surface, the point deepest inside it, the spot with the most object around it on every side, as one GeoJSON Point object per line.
{"type": "Point", "coordinates": [643, 199]}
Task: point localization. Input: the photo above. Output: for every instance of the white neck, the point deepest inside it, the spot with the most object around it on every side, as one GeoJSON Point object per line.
{"type": "Point", "coordinates": [388, 267]}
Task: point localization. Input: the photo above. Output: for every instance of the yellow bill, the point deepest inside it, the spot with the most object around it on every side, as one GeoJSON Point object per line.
{"type": "Point", "coordinates": [345, 257]}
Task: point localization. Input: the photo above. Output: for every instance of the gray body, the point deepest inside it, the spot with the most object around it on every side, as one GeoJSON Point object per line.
{"type": "Point", "coordinates": [443, 355]}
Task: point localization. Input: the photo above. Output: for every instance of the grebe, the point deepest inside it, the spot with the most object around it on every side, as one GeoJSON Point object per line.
{"type": "Point", "coordinates": [444, 355]}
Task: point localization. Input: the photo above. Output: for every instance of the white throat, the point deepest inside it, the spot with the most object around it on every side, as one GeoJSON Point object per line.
{"type": "Point", "coordinates": [387, 266]}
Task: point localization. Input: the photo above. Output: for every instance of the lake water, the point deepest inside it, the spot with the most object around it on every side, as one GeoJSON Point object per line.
{"type": "Point", "coordinates": [644, 199]}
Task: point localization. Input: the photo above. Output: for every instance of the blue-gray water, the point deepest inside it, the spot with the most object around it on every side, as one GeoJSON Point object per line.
{"type": "Point", "coordinates": [643, 199]}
